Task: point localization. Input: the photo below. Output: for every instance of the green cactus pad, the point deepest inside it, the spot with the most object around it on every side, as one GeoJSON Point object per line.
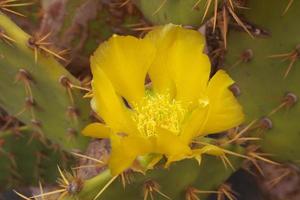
{"type": "Point", "coordinates": [24, 160]}
{"type": "Point", "coordinates": [185, 12]}
{"type": "Point", "coordinates": [49, 109]}
{"type": "Point", "coordinates": [260, 75]}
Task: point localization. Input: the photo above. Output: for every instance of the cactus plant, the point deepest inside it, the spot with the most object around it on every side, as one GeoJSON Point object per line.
{"type": "Point", "coordinates": [24, 159]}
{"type": "Point", "coordinates": [36, 89]}
{"type": "Point", "coordinates": [185, 12]}
{"type": "Point", "coordinates": [175, 183]}
{"type": "Point", "coordinates": [264, 66]}
{"type": "Point", "coordinates": [183, 180]}
{"type": "Point", "coordinates": [266, 71]}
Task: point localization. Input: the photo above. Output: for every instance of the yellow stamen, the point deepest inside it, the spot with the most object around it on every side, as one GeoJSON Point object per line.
{"type": "Point", "coordinates": [158, 111]}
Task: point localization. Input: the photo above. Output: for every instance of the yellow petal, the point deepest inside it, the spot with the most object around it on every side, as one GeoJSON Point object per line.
{"type": "Point", "coordinates": [195, 123]}
{"type": "Point", "coordinates": [224, 110]}
{"type": "Point", "coordinates": [209, 150]}
{"type": "Point", "coordinates": [170, 144]}
{"type": "Point", "coordinates": [97, 130]}
{"type": "Point", "coordinates": [190, 69]}
{"type": "Point", "coordinates": [125, 60]}
{"type": "Point", "coordinates": [180, 59]}
{"type": "Point", "coordinates": [212, 150]}
{"type": "Point", "coordinates": [158, 72]}
{"type": "Point", "coordinates": [125, 150]}
{"type": "Point", "coordinates": [108, 104]}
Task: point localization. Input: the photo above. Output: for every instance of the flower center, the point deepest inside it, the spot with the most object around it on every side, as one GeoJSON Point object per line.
{"type": "Point", "coordinates": [158, 111]}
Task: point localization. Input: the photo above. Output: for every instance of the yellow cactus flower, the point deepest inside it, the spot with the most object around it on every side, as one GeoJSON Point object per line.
{"type": "Point", "coordinates": [155, 96]}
